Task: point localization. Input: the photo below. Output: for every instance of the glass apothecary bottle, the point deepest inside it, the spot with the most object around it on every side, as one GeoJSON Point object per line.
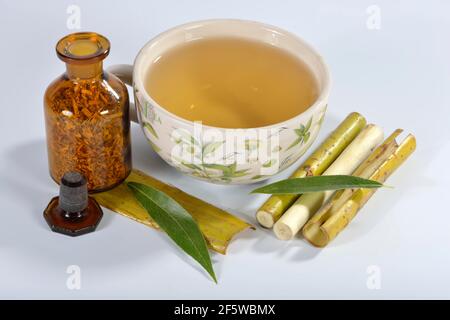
{"type": "Point", "coordinates": [87, 115]}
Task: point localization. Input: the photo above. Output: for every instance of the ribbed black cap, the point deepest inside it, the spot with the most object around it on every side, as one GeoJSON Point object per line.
{"type": "Point", "coordinates": [73, 193]}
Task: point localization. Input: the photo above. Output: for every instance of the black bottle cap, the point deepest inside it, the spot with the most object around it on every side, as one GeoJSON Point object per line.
{"type": "Point", "coordinates": [73, 193]}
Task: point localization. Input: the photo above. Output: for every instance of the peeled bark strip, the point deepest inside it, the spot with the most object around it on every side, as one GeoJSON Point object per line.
{"type": "Point", "coordinates": [308, 204]}
{"type": "Point", "coordinates": [316, 164]}
{"type": "Point", "coordinates": [337, 214]}
{"type": "Point", "coordinates": [217, 225]}
{"type": "Point", "coordinates": [369, 166]}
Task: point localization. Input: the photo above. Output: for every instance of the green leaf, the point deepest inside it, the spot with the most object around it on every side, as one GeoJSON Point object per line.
{"type": "Point", "coordinates": [150, 129]}
{"type": "Point", "coordinates": [185, 137]}
{"type": "Point", "coordinates": [300, 132]}
{"type": "Point", "coordinates": [258, 176]}
{"type": "Point", "coordinates": [154, 146]}
{"type": "Point", "coordinates": [317, 184]}
{"type": "Point", "coordinates": [269, 163]}
{"type": "Point", "coordinates": [322, 117]}
{"type": "Point", "coordinates": [211, 147]}
{"type": "Point", "coordinates": [296, 142]}
{"type": "Point", "coordinates": [190, 165]}
{"type": "Point", "coordinates": [216, 166]}
{"type": "Point", "coordinates": [306, 137]}
{"type": "Point", "coordinates": [240, 173]}
{"type": "Point", "coordinates": [308, 125]}
{"type": "Point", "coordinates": [232, 167]}
{"type": "Point", "coordinates": [175, 221]}
{"type": "Point", "coordinates": [187, 164]}
{"type": "Point", "coordinates": [199, 174]}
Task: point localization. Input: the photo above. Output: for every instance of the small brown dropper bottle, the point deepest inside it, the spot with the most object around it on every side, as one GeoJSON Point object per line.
{"type": "Point", "coordinates": [73, 213]}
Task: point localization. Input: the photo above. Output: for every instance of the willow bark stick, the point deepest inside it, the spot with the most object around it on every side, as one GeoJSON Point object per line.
{"type": "Point", "coordinates": [316, 164]}
{"type": "Point", "coordinates": [308, 204]}
{"type": "Point", "coordinates": [343, 207]}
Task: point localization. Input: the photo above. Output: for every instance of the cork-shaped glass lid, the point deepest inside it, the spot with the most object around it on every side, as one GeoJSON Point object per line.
{"type": "Point", "coordinates": [83, 47]}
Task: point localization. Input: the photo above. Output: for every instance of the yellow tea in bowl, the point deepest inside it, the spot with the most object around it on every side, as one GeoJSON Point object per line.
{"type": "Point", "coordinates": [231, 82]}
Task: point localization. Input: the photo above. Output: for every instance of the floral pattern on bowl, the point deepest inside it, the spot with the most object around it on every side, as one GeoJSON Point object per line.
{"type": "Point", "coordinates": [256, 154]}
{"type": "Point", "coordinates": [295, 137]}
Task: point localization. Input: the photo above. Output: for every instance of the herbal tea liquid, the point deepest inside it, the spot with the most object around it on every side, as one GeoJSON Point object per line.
{"type": "Point", "coordinates": [231, 83]}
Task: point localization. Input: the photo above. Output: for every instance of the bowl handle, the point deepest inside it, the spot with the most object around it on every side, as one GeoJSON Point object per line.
{"type": "Point", "coordinates": [125, 73]}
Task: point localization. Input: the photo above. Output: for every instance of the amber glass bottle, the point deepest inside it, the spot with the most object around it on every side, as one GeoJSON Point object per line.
{"type": "Point", "coordinates": [87, 115]}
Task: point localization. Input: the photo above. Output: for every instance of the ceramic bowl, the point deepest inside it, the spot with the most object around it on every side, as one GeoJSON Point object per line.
{"type": "Point", "coordinates": [209, 153]}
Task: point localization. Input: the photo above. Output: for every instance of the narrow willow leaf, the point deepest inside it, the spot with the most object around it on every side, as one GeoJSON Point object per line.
{"type": "Point", "coordinates": [175, 221]}
{"type": "Point", "coordinates": [317, 184]}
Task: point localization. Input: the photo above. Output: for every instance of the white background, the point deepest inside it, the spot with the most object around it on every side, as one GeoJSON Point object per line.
{"type": "Point", "coordinates": [397, 76]}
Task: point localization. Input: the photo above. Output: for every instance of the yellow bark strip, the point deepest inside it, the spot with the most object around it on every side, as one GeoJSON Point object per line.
{"type": "Point", "coordinates": [271, 211]}
{"type": "Point", "coordinates": [217, 225]}
{"type": "Point", "coordinates": [333, 217]}
{"type": "Point", "coordinates": [348, 161]}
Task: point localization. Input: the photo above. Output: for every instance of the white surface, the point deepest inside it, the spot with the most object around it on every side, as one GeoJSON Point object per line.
{"type": "Point", "coordinates": [397, 76]}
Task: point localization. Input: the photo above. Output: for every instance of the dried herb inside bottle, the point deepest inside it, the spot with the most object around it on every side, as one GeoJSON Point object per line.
{"type": "Point", "coordinates": [87, 116]}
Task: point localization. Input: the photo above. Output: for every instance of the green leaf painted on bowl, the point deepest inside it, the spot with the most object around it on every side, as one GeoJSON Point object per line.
{"type": "Point", "coordinates": [154, 146]}
{"type": "Point", "coordinates": [306, 137]}
{"type": "Point", "coordinates": [185, 137]}
{"type": "Point", "coordinates": [322, 117]}
{"type": "Point", "coordinates": [240, 173]}
{"type": "Point", "coordinates": [216, 166]}
{"type": "Point", "coordinates": [176, 222]}
{"type": "Point", "coordinates": [300, 132]}
{"type": "Point", "coordinates": [228, 172]}
{"type": "Point", "coordinates": [150, 129]}
{"type": "Point", "coordinates": [296, 142]}
{"type": "Point", "coordinates": [269, 163]}
{"type": "Point", "coordinates": [211, 148]}
{"type": "Point", "coordinates": [191, 165]}
{"type": "Point", "coordinates": [258, 176]}
{"type": "Point", "coordinates": [303, 134]}
{"type": "Point", "coordinates": [317, 184]}
{"type": "Point", "coordinates": [308, 125]}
